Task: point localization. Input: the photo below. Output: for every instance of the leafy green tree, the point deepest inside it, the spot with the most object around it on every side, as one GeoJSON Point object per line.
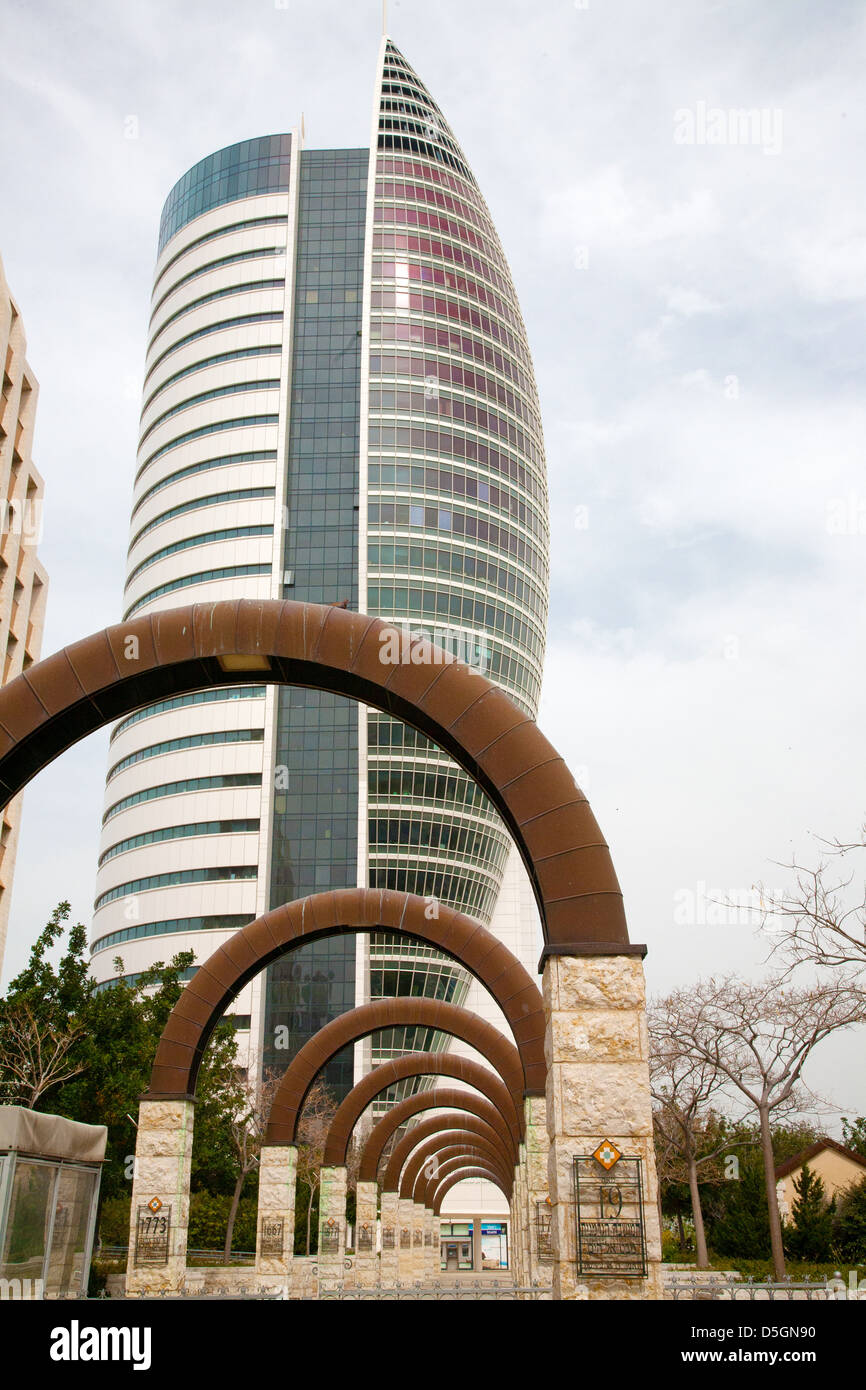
{"type": "Point", "coordinates": [737, 1216]}
{"type": "Point", "coordinates": [737, 1207]}
{"type": "Point", "coordinates": [55, 995]}
{"type": "Point", "coordinates": [849, 1225]}
{"type": "Point", "coordinates": [117, 1030]}
{"type": "Point", "coordinates": [809, 1234]}
{"type": "Point", "coordinates": [792, 1138]}
{"type": "Point", "coordinates": [854, 1135]}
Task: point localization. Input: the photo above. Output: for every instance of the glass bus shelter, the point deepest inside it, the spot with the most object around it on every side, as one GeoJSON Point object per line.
{"type": "Point", "coordinates": [49, 1187]}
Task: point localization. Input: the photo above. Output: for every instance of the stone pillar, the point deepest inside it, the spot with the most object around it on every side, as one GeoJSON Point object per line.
{"type": "Point", "coordinates": [538, 1263]}
{"type": "Point", "coordinates": [418, 1263]}
{"type": "Point", "coordinates": [519, 1234]}
{"type": "Point", "coordinates": [389, 1258]}
{"type": "Point", "coordinates": [366, 1214]}
{"type": "Point", "coordinates": [333, 1184]}
{"type": "Point", "coordinates": [477, 1262]}
{"type": "Point", "coordinates": [597, 1088]}
{"type": "Point", "coordinates": [515, 1252]}
{"type": "Point", "coordinates": [275, 1234]}
{"type": "Point", "coordinates": [159, 1218]}
{"type": "Point", "coordinates": [432, 1261]}
{"type": "Point", "coordinates": [405, 1218]}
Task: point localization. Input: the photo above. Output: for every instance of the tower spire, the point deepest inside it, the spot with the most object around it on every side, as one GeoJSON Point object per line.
{"type": "Point", "coordinates": [384, 17]}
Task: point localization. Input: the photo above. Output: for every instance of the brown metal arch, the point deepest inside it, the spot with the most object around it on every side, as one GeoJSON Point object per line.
{"type": "Point", "coordinates": [441, 1146]}
{"type": "Point", "coordinates": [503, 1178]}
{"type": "Point", "coordinates": [464, 1069]}
{"type": "Point", "coordinates": [359, 1023]}
{"type": "Point", "coordinates": [404, 1151]}
{"type": "Point", "coordinates": [459, 1155]}
{"type": "Point", "coordinates": [233, 964]}
{"type": "Point", "coordinates": [59, 700]}
{"type": "Point", "coordinates": [442, 1098]}
{"type": "Point", "coordinates": [437, 1198]}
{"type": "Point", "coordinates": [467, 1150]}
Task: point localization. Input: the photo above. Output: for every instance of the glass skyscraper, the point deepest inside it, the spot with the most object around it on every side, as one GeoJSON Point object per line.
{"type": "Point", "coordinates": [339, 406]}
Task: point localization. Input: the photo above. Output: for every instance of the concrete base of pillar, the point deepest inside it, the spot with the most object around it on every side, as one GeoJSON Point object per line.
{"type": "Point", "coordinates": [303, 1281]}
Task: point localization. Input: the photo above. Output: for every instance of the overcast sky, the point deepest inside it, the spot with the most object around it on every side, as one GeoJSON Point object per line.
{"type": "Point", "coordinates": [693, 288]}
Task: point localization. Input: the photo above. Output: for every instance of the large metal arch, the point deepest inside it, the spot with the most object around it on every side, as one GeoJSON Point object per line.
{"type": "Point", "coordinates": [404, 1161]}
{"type": "Point", "coordinates": [221, 977]}
{"type": "Point", "coordinates": [359, 1023]}
{"type": "Point", "coordinates": [441, 1098]}
{"type": "Point", "coordinates": [412, 1181]}
{"type": "Point", "coordinates": [463, 1175]}
{"type": "Point", "coordinates": [450, 1157]}
{"type": "Point", "coordinates": [404, 1151]}
{"type": "Point", "coordinates": [59, 700]}
{"type": "Point", "coordinates": [442, 1154]}
{"type": "Point", "coordinates": [483, 1166]}
{"type": "Point", "coordinates": [412, 1064]}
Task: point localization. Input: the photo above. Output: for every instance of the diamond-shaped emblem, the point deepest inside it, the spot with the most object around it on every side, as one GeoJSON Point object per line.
{"type": "Point", "coordinates": [155, 1205]}
{"type": "Point", "coordinates": [607, 1154]}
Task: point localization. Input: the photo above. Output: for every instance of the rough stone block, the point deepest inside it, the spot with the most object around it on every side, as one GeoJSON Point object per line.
{"type": "Point", "coordinates": [598, 982]}
{"type": "Point", "coordinates": [594, 1035]}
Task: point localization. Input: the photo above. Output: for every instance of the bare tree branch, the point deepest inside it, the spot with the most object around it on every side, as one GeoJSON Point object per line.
{"type": "Point", "coordinates": [683, 1085]}
{"type": "Point", "coordinates": [247, 1126]}
{"type": "Point", "coordinates": [821, 920]}
{"type": "Point", "coordinates": [319, 1110]}
{"type": "Point", "coordinates": [34, 1055]}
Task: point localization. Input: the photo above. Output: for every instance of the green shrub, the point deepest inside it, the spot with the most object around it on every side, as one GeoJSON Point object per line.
{"type": "Point", "coordinates": [809, 1234]}
{"type": "Point", "coordinates": [114, 1220]}
{"type": "Point", "coordinates": [737, 1219]}
{"type": "Point", "coordinates": [671, 1251]}
{"type": "Point", "coordinates": [209, 1217]}
{"type": "Point", "coordinates": [849, 1226]}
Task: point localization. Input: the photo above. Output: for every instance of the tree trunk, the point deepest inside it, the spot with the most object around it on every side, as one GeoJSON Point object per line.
{"type": "Point", "coordinates": [682, 1232]}
{"type": "Point", "coordinates": [772, 1199]}
{"type": "Point", "coordinates": [233, 1211]}
{"type": "Point", "coordinates": [701, 1257]}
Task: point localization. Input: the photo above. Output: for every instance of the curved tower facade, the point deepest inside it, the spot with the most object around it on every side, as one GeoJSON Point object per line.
{"type": "Point", "coordinates": [455, 540]}
{"type": "Point", "coordinates": [339, 405]}
{"type": "Point", "coordinates": [185, 838]}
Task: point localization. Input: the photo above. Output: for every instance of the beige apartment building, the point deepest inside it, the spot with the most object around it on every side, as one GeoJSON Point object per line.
{"type": "Point", "coordinates": [23, 581]}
